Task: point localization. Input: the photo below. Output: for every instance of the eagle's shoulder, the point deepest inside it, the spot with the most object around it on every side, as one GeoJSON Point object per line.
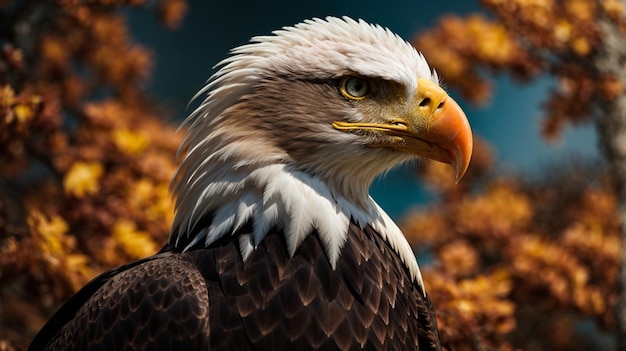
{"type": "Point", "coordinates": [159, 300]}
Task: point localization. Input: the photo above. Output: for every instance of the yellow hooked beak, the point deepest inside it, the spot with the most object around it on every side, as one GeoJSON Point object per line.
{"type": "Point", "coordinates": [434, 126]}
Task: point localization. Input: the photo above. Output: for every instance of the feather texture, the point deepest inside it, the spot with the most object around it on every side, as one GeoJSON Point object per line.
{"type": "Point", "coordinates": [210, 298]}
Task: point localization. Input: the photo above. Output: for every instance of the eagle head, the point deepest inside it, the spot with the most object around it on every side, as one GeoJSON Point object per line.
{"type": "Point", "coordinates": [295, 126]}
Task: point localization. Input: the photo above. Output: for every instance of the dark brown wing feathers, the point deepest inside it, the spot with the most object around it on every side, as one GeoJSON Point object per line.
{"type": "Point", "coordinates": [209, 299]}
{"type": "Point", "coordinates": [160, 304]}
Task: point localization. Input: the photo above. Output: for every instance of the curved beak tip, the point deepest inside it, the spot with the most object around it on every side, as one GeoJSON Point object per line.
{"type": "Point", "coordinates": [461, 144]}
{"type": "Point", "coordinates": [461, 163]}
{"type": "Point", "coordinates": [465, 145]}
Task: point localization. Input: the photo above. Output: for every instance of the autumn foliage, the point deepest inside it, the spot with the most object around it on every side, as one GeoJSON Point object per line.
{"type": "Point", "coordinates": [520, 264]}
{"type": "Point", "coordinates": [86, 159]}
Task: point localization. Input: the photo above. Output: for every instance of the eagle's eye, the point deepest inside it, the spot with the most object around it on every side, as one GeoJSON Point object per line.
{"type": "Point", "coordinates": [354, 87]}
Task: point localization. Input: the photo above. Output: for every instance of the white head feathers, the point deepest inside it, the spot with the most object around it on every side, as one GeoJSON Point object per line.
{"type": "Point", "coordinates": [235, 174]}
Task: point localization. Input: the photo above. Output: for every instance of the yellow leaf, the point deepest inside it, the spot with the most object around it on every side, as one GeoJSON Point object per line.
{"type": "Point", "coordinates": [83, 179]}
{"type": "Point", "coordinates": [130, 142]}
{"type": "Point", "coordinates": [23, 112]}
{"type": "Point", "coordinates": [51, 231]}
{"type": "Point", "coordinates": [563, 31]}
{"type": "Point", "coordinates": [135, 243]}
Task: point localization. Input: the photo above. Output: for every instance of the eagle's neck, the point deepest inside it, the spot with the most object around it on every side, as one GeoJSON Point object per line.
{"type": "Point", "coordinates": [223, 195]}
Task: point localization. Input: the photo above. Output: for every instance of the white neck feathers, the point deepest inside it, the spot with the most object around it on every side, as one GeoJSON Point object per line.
{"type": "Point", "coordinates": [281, 197]}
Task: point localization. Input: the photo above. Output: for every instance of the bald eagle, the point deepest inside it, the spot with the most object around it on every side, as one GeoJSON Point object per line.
{"type": "Point", "coordinates": [276, 243]}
